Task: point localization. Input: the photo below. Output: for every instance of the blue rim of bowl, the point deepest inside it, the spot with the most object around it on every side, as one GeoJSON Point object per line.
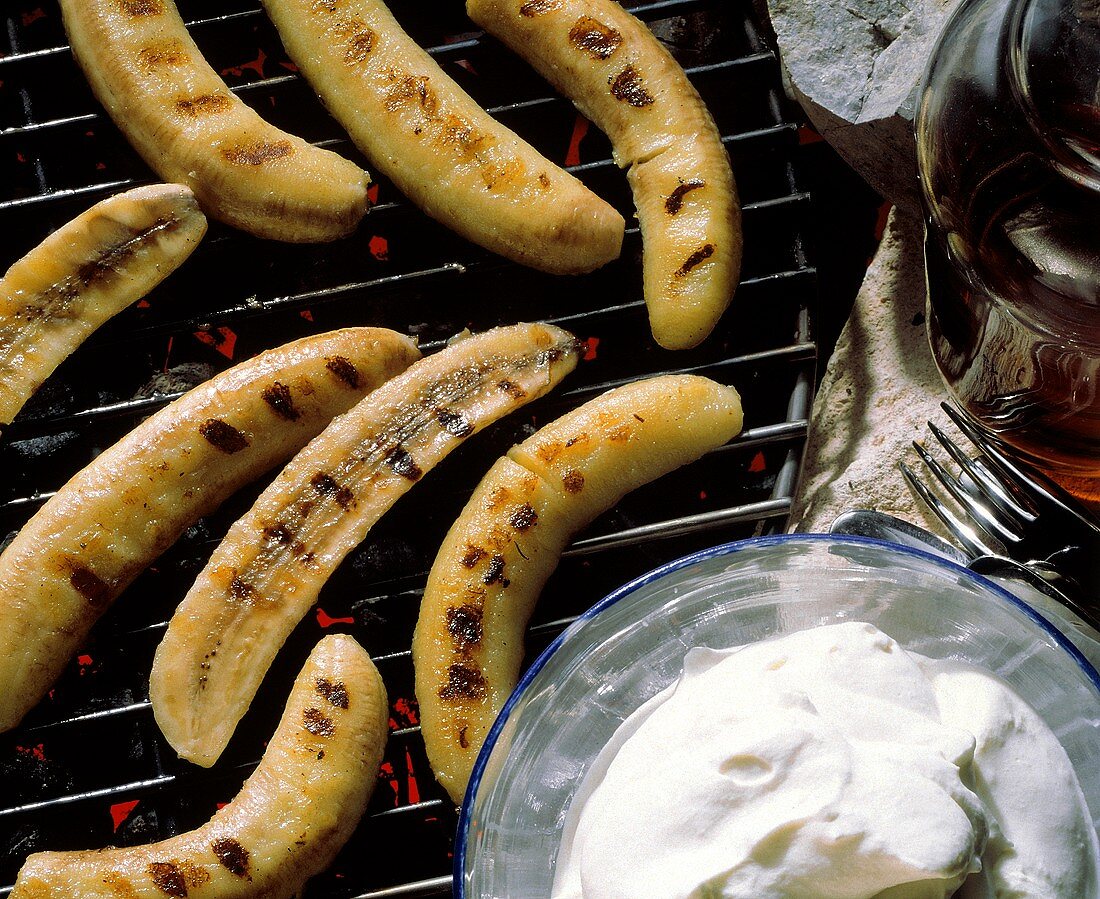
{"type": "Point", "coordinates": [724, 549]}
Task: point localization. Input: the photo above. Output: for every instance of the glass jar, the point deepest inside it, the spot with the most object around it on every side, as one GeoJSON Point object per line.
{"type": "Point", "coordinates": [1008, 146]}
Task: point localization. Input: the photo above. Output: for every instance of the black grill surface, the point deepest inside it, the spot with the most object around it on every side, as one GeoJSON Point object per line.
{"type": "Point", "coordinates": [88, 768]}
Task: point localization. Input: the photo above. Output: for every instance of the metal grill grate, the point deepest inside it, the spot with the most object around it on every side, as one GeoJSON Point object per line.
{"type": "Point", "coordinates": [88, 767]}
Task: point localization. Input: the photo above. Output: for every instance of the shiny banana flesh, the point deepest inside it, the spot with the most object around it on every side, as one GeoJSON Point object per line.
{"type": "Point", "coordinates": [452, 159]}
{"type": "Point", "coordinates": [483, 586]}
{"type": "Point", "coordinates": [82, 274]}
{"type": "Point", "coordinates": [691, 237]}
{"type": "Point", "coordinates": [191, 129]}
{"type": "Point", "coordinates": [620, 77]}
{"type": "Point", "coordinates": [267, 573]}
{"type": "Point", "coordinates": [113, 518]}
{"type": "Point", "coordinates": [288, 822]}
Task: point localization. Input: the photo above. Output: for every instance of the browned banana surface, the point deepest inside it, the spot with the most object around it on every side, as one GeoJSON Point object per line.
{"type": "Point", "coordinates": [266, 574]}
{"type": "Point", "coordinates": [291, 817]}
{"type": "Point", "coordinates": [82, 274]}
{"type": "Point", "coordinates": [99, 531]}
{"type": "Point", "coordinates": [191, 129]}
{"type": "Point", "coordinates": [484, 584]}
{"type": "Point", "coordinates": [437, 145]}
{"type": "Point", "coordinates": [625, 81]}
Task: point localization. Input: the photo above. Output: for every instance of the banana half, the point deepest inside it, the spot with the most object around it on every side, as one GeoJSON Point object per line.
{"type": "Point", "coordinates": [483, 586]}
{"type": "Point", "coordinates": [619, 76]}
{"type": "Point", "coordinates": [191, 129]}
{"type": "Point", "coordinates": [442, 150]}
{"type": "Point", "coordinates": [85, 272]}
{"type": "Point", "coordinates": [288, 822]}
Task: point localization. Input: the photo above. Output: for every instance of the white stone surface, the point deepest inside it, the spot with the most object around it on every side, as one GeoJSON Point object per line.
{"type": "Point", "coordinates": [879, 390]}
{"type": "Point", "coordinates": [855, 66]}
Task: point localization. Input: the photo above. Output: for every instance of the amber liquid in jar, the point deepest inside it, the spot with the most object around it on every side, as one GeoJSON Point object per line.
{"type": "Point", "coordinates": [1013, 241]}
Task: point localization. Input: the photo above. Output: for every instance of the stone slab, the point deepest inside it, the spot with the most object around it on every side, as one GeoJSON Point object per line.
{"type": "Point", "coordinates": [880, 388]}
{"type": "Point", "coordinates": [855, 66]}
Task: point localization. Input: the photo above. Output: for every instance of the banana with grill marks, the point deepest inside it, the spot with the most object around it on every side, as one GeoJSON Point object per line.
{"type": "Point", "coordinates": [270, 567]}
{"type": "Point", "coordinates": [191, 129]}
{"type": "Point", "coordinates": [437, 145]}
{"type": "Point", "coordinates": [113, 518]}
{"type": "Point", "coordinates": [85, 272]}
{"type": "Point", "coordinates": [620, 77]}
{"type": "Point", "coordinates": [291, 817]}
{"type": "Point", "coordinates": [488, 574]}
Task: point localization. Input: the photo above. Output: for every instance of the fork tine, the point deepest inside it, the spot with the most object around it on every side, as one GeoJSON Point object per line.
{"type": "Point", "coordinates": [1012, 498]}
{"type": "Point", "coordinates": [992, 489]}
{"type": "Point", "coordinates": [964, 533]}
{"type": "Point", "coordinates": [979, 513]}
{"type": "Point", "coordinates": [1004, 466]}
{"type": "Point", "coordinates": [1038, 488]}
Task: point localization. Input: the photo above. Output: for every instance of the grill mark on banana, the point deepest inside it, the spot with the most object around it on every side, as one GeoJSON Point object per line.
{"type": "Point", "coordinates": [468, 643]}
{"type": "Point", "coordinates": [190, 128]}
{"type": "Point", "coordinates": [450, 157]}
{"type": "Point", "coordinates": [287, 823]}
{"type": "Point", "coordinates": [88, 270]}
{"type": "Point", "coordinates": [100, 530]}
{"type": "Point", "coordinates": [594, 38]}
{"type": "Point", "coordinates": [268, 571]}
{"type": "Point", "coordinates": [675, 200]}
{"type": "Point", "coordinates": [620, 77]}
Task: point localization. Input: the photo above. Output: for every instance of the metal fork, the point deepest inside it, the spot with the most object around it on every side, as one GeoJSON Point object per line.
{"type": "Point", "coordinates": [1016, 512]}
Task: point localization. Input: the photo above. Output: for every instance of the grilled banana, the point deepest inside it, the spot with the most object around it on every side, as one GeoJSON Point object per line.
{"type": "Point", "coordinates": [99, 531]}
{"type": "Point", "coordinates": [190, 128]}
{"type": "Point", "coordinates": [439, 147]}
{"type": "Point", "coordinates": [85, 272]}
{"type": "Point", "coordinates": [620, 77]}
{"type": "Point", "coordinates": [468, 643]}
{"type": "Point", "coordinates": [266, 574]}
{"type": "Point", "coordinates": [288, 822]}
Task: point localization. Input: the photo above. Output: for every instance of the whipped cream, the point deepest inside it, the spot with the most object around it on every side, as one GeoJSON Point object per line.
{"type": "Point", "coordinates": [830, 764]}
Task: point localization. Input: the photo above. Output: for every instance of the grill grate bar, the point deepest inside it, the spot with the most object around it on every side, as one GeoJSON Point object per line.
{"type": "Point", "coordinates": [110, 187]}
{"type": "Point", "coordinates": [763, 134]}
{"type": "Point", "coordinates": [645, 11]}
{"type": "Point", "coordinates": [133, 707]}
{"type": "Point", "coordinates": [750, 209]}
{"type": "Point", "coordinates": [791, 353]}
{"type": "Point", "coordinates": [401, 810]}
{"type": "Point", "coordinates": [151, 783]}
{"type": "Point", "coordinates": [146, 406]}
{"type": "Point", "coordinates": [679, 527]}
{"type": "Point", "coordinates": [435, 886]}
{"type": "Point", "coordinates": [98, 715]}
{"type": "Point", "coordinates": [67, 193]}
{"type": "Point", "coordinates": [22, 130]}
{"type": "Point", "coordinates": [258, 307]}
{"type": "Point", "coordinates": [768, 434]}
{"type": "Point", "coordinates": [753, 59]}
{"type": "Point", "coordinates": [750, 437]}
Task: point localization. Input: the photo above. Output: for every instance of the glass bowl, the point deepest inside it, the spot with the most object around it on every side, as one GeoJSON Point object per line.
{"type": "Point", "coordinates": [631, 645]}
